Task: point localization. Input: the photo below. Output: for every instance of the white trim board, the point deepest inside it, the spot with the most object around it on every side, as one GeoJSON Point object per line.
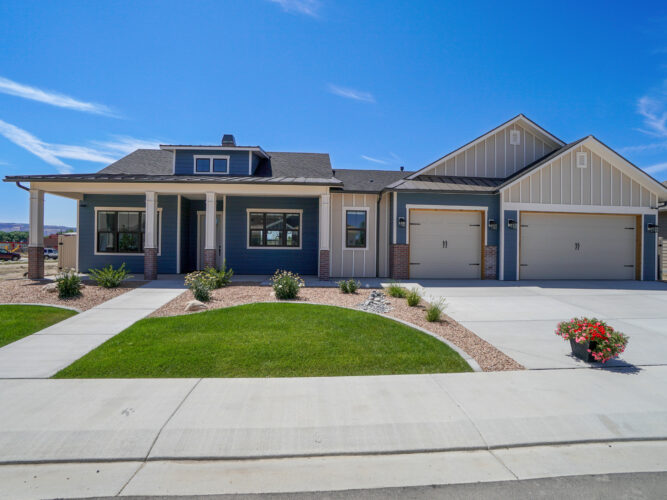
{"type": "Point", "coordinates": [587, 209]}
{"type": "Point", "coordinates": [124, 209]}
{"type": "Point", "coordinates": [447, 208]}
{"type": "Point", "coordinates": [274, 211]}
{"type": "Point", "coordinates": [344, 226]}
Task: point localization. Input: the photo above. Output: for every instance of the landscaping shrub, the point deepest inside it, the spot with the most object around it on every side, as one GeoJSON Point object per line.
{"type": "Point", "coordinates": [108, 277]}
{"type": "Point", "coordinates": [396, 290]}
{"type": "Point", "coordinates": [413, 297]}
{"type": "Point", "coordinates": [221, 277]}
{"type": "Point", "coordinates": [68, 284]}
{"type": "Point", "coordinates": [201, 283]}
{"type": "Point", "coordinates": [434, 310]}
{"type": "Point", "coordinates": [286, 284]}
{"type": "Point", "coordinates": [605, 343]}
{"type": "Point", "coordinates": [349, 286]}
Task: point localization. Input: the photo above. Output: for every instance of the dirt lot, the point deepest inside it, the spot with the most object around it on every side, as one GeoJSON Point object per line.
{"type": "Point", "coordinates": [13, 270]}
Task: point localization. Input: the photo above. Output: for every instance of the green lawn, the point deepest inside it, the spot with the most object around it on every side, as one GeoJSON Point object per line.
{"type": "Point", "coordinates": [17, 321]}
{"type": "Point", "coordinates": [267, 340]}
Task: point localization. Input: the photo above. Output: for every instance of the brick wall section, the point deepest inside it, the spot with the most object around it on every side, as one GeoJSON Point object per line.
{"type": "Point", "coordinates": [324, 265]}
{"type": "Point", "coordinates": [399, 257]}
{"type": "Point", "coordinates": [209, 258]}
{"type": "Point", "coordinates": [490, 262]}
{"type": "Point", "coordinates": [35, 263]}
{"type": "Point", "coordinates": [150, 263]}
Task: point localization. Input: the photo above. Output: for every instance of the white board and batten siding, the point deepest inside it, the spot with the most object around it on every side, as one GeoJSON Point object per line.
{"type": "Point", "coordinates": [494, 156]}
{"type": "Point", "coordinates": [561, 182]}
{"type": "Point", "coordinates": [347, 262]}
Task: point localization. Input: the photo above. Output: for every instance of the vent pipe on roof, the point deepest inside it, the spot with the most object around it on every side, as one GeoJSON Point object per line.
{"type": "Point", "coordinates": [402, 168]}
{"type": "Point", "coordinates": [228, 140]}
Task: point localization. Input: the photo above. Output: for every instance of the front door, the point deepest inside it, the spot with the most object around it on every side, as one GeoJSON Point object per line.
{"type": "Point", "coordinates": [201, 239]}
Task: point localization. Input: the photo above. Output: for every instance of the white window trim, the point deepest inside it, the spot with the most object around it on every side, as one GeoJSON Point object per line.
{"type": "Point", "coordinates": [344, 225]}
{"type": "Point", "coordinates": [210, 159]}
{"type": "Point", "coordinates": [273, 211]}
{"type": "Point", "coordinates": [124, 209]}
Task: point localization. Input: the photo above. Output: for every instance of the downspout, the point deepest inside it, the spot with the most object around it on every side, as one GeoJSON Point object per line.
{"type": "Point", "coordinates": [377, 235]}
{"type": "Point", "coordinates": [18, 184]}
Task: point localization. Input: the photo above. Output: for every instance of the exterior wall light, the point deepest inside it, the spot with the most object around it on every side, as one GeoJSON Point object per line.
{"type": "Point", "coordinates": [401, 222]}
{"type": "Point", "coordinates": [511, 223]}
{"type": "Point", "coordinates": [652, 228]}
{"type": "Point", "coordinates": [493, 225]}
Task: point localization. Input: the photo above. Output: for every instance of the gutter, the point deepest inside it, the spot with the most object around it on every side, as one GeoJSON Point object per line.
{"type": "Point", "coordinates": [18, 184]}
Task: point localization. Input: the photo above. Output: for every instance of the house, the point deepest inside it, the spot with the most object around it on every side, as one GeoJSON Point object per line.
{"type": "Point", "coordinates": [515, 203]}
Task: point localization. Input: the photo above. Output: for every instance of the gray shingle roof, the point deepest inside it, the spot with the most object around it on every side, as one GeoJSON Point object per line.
{"type": "Point", "coordinates": [367, 181]}
{"type": "Point", "coordinates": [143, 162]}
{"type": "Point", "coordinates": [448, 183]}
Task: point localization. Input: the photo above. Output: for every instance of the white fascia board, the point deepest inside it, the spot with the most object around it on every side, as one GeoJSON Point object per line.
{"type": "Point", "coordinates": [519, 118]}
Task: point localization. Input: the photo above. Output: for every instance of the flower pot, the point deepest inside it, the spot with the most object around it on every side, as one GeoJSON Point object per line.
{"type": "Point", "coordinates": [581, 350]}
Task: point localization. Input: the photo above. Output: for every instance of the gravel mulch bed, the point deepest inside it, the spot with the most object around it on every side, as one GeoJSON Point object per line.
{"type": "Point", "coordinates": [488, 357]}
{"type": "Point", "coordinates": [26, 291]}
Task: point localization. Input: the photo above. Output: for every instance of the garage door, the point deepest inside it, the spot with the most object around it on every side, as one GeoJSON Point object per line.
{"type": "Point", "coordinates": [445, 244]}
{"type": "Point", "coordinates": [577, 246]}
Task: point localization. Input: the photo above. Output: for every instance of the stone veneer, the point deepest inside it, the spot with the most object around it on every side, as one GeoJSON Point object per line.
{"type": "Point", "coordinates": [150, 263]}
{"type": "Point", "coordinates": [35, 263]}
{"type": "Point", "coordinates": [399, 259]}
{"type": "Point", "coordinates": [324, 265]}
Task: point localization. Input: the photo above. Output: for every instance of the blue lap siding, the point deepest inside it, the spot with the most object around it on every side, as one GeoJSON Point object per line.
{"type": "Point", "coordinates": [87, 237]}
{"type": "Point", "coordinates": [238, 161]}
{"type": "Point", "coordinates": [266, 261]}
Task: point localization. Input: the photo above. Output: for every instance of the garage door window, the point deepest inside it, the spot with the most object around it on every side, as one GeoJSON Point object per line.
{"type": "Point", "coordinates": [355, 228]}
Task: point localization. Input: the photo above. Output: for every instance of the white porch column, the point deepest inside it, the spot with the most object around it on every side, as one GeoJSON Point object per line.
{"type": "Point", "coordinates": [36, 235]}
{"type": "Point", "coordinates": [210, 231]}
{"type": "Point", "coordinates": [325, 235]}
{"type": "Point", "coordinates": [150, 234]}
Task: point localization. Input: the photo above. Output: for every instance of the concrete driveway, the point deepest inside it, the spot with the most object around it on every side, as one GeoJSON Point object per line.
{"type": "Point", "coordinates": [519, 318]}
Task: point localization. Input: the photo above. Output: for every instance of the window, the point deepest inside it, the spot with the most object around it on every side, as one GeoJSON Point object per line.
{"type": "Point", "coordinates": [274, 229]}
{"type": "Point", "coordinates": [355, 228]}
{"type": "Point", "coordinates": [211, 164]}
{"type": "Point", "coordinates": [122, 231]}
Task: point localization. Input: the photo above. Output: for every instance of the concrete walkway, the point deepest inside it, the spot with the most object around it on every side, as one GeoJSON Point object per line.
{"type": "Point", "coordinates": [44, 353]}
{"type": "Point", "coordinates": [205, 436]}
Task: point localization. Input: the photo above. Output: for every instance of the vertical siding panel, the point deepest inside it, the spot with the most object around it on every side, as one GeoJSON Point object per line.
{"type": "Point", "coordinates": [576, 180]}
{"type": "Point", "coordinates": [626, 190]}
{"type": "Point", "coordinates": [480, 156]}
{"type": "Point", "coordinates": [606, 182]}
{"type": "Point", "coordinates": [567, 180]}
{"type": "Point", "coordinates": [586, 174]}
{"type": "Point", "coordinates": [450, 167]}
{"type": "Point", "coordinates": [636, 193]}
{"type": "Point", "coordinates": [645, 197]}
{"type": "Point", "coordinates": [490, 157]}
{"type": "Point", "coordinates": [524, 195]}
{"type": "Point", "coordinates": [546, 184]}
{"type": "Point", "coordinates": [615, 187]}
{"type": "Point", "coordinates": [555, 185]}
{"type": "Point", "coordinates": [596, 180]}
{"type": "Point", "coordinates": [515, 193]}
{"type": "Point", "coordinates": [535, 186]}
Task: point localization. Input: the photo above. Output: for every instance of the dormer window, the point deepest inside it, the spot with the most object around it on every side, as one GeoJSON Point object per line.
{"type": "Point", "coordinates": [211, 164]}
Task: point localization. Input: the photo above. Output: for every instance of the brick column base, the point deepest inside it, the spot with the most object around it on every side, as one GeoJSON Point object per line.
{"type": "Point", "coordinates": [150, 263]}
{"type": "Point", "coordinates": [399, 260]}
{"type": "Point", "coordinates": [490, 262]}
{"type": "Point", "coordinates": [35, 263]}
{"type": "Point", "coordinates": [324, 265]}
{"type": "Point", "coordinates": [209, 258]}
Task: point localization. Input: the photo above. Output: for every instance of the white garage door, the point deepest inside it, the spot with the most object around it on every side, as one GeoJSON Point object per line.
{"type": "Point", "coordinates": [577, 246]}
{"type": "Point", "coordinates": [445, 244]}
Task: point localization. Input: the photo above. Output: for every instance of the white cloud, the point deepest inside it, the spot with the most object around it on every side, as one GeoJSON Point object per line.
{"type": "Point", "coordinates": [307, 7]}
{"type": "Point", "coordinates": [53, 98]}
{"type": "Point", "coordinates": [643, 148]}
{"type": "Point", "coordinates": [348, 93]}
{"type": "Point", "coordinates": [100, 151]}
{"type": "Point", "coordinates": [374, 160]}
{"type": "Point", "coordinates": [654, 169]}
{"type": "Point", "coordinates": [655, 116]}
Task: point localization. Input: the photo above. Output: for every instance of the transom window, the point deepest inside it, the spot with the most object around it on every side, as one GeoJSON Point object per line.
{"type": "Point", "coordinates": [211, 164]}
{"type": "Point", "coordinates": [274, 229]}
{"type": "Point", "coordinates": [122, 231]}
{"type": "Point", "coordinates": [355, 228]}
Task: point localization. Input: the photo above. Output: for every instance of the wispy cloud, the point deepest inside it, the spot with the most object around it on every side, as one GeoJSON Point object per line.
{"type": "Point", "coordinates": [644, 148]}
{"type": "Point", "coordinates": [348, 93]}
{"type": "Point", "coordinates": [307, 7]}
{"type": "Point", "coordinates": [97, 152]}
{"type": "Point", "coordinates": [11, 87]}
{"type": "Point", "coordinates": [654, 169]}
{"type": "Point", "coordinates": [653, 108]}
{"type": "Point", "coordinates": [374, 160]}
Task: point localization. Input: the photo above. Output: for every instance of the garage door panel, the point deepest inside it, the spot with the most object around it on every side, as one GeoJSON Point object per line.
{"type": "Point", "coordinates": [577, 246]}
{"type": "Point", "coordinates": [445, 244]}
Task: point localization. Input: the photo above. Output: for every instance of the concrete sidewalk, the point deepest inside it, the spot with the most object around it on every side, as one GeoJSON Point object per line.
{"type": "Point", "coordinates": [165, 419]}
{"type": "Point", "coordinates": [44, 353]}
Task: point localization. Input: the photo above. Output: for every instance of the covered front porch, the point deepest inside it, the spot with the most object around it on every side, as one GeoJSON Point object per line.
{"type": "Point", "coordinates": [252, 229]}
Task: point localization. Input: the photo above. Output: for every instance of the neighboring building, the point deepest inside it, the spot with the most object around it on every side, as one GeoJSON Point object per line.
{"type": "Point", "coordinates": [515, 203]}
{"type": "Point", "coordinates": [51, 241]}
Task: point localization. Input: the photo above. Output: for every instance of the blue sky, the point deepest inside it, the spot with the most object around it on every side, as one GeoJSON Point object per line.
{"type": "Point", "coordinates": [377, 84]}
